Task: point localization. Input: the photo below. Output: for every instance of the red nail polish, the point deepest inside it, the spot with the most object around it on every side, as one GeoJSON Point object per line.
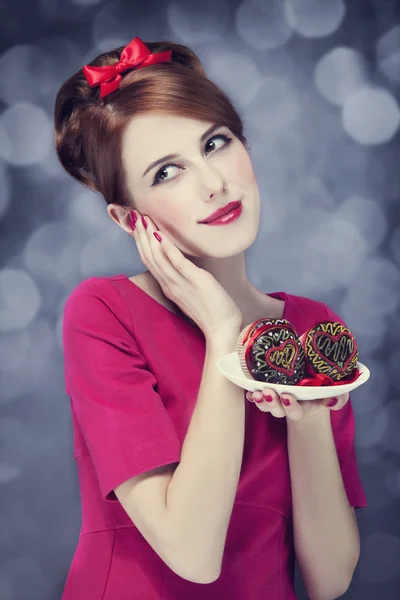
{"type": "Point", "coordinates": [144, 221]}
{"type": "Point", "coordinates": [157, 236]}
{"type": "Point", "coordinates": [285, 401]}
{"type": "Point", "coordinates": [133, 216]}
{"type": "Point", "coordinates": [332, 402]}
{"type": "Point", "coordinates": [131, 223]}
{"type": "Point", "coordinates": [268, 398]}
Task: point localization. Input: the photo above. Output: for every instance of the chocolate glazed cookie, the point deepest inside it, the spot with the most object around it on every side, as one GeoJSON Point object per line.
{"type": "Point", "coordinates": [330, 349]}
{"type": "Point", "coordinates": [270, 351]}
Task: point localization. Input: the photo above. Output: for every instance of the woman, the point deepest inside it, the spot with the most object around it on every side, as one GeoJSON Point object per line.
{"type": "Point", "coordinates": [184, 483]}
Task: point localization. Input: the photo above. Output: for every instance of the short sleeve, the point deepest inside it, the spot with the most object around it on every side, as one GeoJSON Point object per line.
{"type": "Point", "coordinates": [343, 428]}
{"type": "Point", "coordinates": [124, 423]}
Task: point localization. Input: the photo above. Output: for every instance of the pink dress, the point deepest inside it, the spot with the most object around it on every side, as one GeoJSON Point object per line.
{"type": "Point", "coordinates": [132, 373]}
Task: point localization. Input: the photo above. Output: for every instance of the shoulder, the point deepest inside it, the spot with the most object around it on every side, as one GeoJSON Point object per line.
{"type": "Point", "coordinates": [94, 286]}
{"type": "Point", "coordinates": [94, 296]}
{"type": "Point", "coordinates": [308, 306]}
{"type": "Point", "coordinates": [310, 310]}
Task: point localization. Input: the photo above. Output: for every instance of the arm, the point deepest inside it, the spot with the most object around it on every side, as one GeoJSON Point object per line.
{"type": "Point", "coordinates": [203, 487]}
{"type": "Point", "coordinates": [327, 543]}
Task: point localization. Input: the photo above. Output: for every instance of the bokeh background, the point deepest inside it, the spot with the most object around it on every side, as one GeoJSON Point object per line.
{"type": "Point", "coordinates": [317, 83]}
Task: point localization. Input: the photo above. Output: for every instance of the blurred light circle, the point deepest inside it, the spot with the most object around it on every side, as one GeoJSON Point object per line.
{"type": "Point", "coordinates": [388, 53]}
{"type": "Point", "coordinates": [369, 218]}
{"type": "Point", "coordinates": [19, 68]}
{"type": "Point", "coordinates": [9, 472]}
{"type": "Point", "coordinates": [26, 134]}
{"type": "Point", "coordinates": [19, 299]}
{"type": "Point", "coordinates": [262, 24]}
{"type": "Point", "coordinates": [276, 105]}
{"type": "Point", "coordinates": [371, 116]}
{"type": "Point", "coordinates": [242, 88]}
{"type": "Point", "coordinates": [340, 73]}
{"type": "Point", "coordinates": [375, 288]}
{"type": "Point", "coordinates": [198, 22]}
{"type": "Point", "coordinates": [313, 18]}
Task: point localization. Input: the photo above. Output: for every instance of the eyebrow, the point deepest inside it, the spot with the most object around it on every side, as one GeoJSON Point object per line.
{"type": "Point", "coordinates": [171, 156]}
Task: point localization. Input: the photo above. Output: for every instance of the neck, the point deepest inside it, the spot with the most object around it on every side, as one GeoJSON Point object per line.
{"type": "Point", "coordinates": [230, 272]}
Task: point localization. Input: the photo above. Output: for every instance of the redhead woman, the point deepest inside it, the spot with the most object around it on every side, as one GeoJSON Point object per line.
{"type": "Point", "coordinates": [190, 487]}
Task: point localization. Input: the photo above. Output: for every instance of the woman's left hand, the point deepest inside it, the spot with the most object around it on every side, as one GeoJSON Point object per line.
{"type": "Point", "coordinates": [294, 410]}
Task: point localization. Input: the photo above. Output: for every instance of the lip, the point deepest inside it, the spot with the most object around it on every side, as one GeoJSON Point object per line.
{"type": "Point", "coordinates": [221, 211]}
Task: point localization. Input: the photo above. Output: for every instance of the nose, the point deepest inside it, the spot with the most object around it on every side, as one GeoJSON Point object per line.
{"type": "Point", "coordinates": [213, 181]}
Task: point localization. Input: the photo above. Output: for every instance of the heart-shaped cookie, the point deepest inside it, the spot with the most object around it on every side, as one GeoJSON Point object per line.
{"type": "Point", "coordinates": [270, 351]}
{"type": "Point", "coordinates": [330, 349]}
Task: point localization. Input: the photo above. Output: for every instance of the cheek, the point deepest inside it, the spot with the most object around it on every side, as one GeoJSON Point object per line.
{"type": "Point", "coordinates": [242, 169]}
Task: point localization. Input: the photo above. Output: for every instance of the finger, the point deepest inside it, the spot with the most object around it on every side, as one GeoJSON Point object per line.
{"type": "Point", "coordinates": [273, 406]}
{"type": "Point", "coordinates": [180, 263]}
{"type": "Point", "coordinates": [151, 255]}
{"type": "Point", "coordinates": [336, 402]}
{"type": "Point", "coordinates": [141, 244]}
{"type": "Point", "coordinates": [292, 407]}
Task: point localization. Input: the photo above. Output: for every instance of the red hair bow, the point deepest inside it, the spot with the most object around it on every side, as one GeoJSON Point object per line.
{"type": "Point", "coordinates": [135, 54]}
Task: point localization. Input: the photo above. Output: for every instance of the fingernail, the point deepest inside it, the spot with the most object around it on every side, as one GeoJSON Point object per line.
{"type": "Point", "coordinates": [131, 223]}
{"type": "Point", "coordinates": [332, 402]}
{"type": "Point", "coordinates": [157, 236]}
{"type": "Point", "coordinates": [133, 216]}
{"type": "Point", "coordinates": [286, 401]}
{"type": "Point", "coordinates": [144, 221]}
{"type": "Point", "coordinates": [267, 397]}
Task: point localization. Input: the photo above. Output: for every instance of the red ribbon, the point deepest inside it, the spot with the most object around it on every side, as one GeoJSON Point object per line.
{"type": "Point", "coordinates": [320, 380]}
{"type": "Point", "coordinates": [135, 54]}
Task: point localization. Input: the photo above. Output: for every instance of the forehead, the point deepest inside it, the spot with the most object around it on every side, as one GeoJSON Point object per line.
{"type": "Point", "coordinates": [162, 127]}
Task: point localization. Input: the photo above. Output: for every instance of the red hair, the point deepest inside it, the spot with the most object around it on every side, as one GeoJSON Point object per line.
{"type": "Point", "coordinates": [89, 130]}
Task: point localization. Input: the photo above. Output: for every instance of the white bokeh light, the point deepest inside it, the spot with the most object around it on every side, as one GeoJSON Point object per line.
{"type": "Point", "coordinates": [371, 116]}
{"type": "Point", "coordinates": [374, 289]}
{"type": "Point", "coordinates": [339, 73]}
{"type": "Point", "coordinates": [369, 218]}
{"type": "Point", "coordinates": [201, 22]}
{"type": "Point", "coordinates": [388, 53]}
{"type": "Point", "coordinates": [26, 134]}
{"type": "Point", "coordinates": [313, 18]}
{"type": "Point", "coordinates": [19, 66]}
{"type": "Point", "coordinates": [245, 85]}
{"type": "Point", "coordinates": [262, 24]}
{"type": "Point", "coordinates": [276, 105]}
{"type": "Point", "coordinates": [19, 299]}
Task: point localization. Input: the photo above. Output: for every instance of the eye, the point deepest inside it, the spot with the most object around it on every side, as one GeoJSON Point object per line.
{"type": "Point", "coordinates": [158, 176]}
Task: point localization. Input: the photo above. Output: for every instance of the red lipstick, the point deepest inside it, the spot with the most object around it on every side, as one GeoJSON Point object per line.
{"type": "Point", "coordinates": [234, 207]}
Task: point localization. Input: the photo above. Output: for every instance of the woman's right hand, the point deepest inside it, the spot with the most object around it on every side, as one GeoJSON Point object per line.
{"type": "Point", "coordinates": [194, 290]}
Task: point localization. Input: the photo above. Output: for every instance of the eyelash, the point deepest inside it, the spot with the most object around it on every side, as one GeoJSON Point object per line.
{"type": "Point", "coordinates": [157, 180]}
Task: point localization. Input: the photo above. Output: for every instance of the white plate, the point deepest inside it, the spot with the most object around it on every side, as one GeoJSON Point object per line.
{"type": "Point", "coordinates": [229, 365]}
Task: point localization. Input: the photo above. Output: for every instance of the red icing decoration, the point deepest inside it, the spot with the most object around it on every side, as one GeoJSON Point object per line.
{"type": "Point", "coordinates": [280, 349]}
{"type": "Point", "coordinates": [333, 339]}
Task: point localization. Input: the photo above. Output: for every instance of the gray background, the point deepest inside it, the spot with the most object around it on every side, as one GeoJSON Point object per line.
{"type": "Point", "coordinates": [317, 84]}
